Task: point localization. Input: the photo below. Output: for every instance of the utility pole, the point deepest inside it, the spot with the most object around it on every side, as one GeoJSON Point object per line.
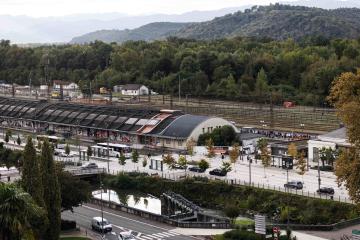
{"type": "Point", "coordinates": [250, 162]}
{"type": "Point", "coordinates": [102, 210]}
{"type": "Point", "coordinates": [30, 83]}
{"type": "Point", "coordinates": [179, 89]}
{"type": "Point", "coordinates": [108, 153]}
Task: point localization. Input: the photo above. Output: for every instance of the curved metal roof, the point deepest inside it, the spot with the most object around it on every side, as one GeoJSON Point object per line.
{"type": "Point", "coordinates": [183, 126]}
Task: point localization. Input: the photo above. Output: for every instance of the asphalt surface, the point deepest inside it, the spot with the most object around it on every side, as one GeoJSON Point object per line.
{"type": "Point", "coordinates": [141, 228]}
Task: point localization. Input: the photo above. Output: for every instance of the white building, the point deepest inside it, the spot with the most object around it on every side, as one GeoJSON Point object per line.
{"type": "Point", "coordinates": [334, 140]}
{"type": "Point", "coordinates": [134, 90]}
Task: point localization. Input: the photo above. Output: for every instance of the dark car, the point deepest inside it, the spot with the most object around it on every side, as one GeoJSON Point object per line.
{"type": "Point", "coordinates": [177, 166]}
{"type": "Point", "coordinates": [90, 166]}
{"type": "Point", "coordinates": [326, 190]}
{"type": "Point", "coordinates": [294, 185]}
{"type": "Point", "coordinates": [218, 172]}
{"type": "Point", "coordinates": [196, 169]}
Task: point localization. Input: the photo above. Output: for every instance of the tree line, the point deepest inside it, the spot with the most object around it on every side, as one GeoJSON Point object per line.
{"type": "Point", "coordinates": [236, 68]}
{"type": "Point", "coordinates": [31, 208]}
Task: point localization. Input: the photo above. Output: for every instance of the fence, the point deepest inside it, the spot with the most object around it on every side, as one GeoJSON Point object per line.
{"type": "Point", "coordinates": [239, 182]}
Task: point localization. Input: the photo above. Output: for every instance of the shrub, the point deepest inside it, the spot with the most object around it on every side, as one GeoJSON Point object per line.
{"type": "Point", "coordinates": [217, 194]}
{"type": "Point", "coordinates": [67, 225]}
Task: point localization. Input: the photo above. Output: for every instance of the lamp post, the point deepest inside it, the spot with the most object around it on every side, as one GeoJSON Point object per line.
{"type": "Point", "coordinates": [102, 210]}
{"type": "Point", "coordinates": [250, 162]}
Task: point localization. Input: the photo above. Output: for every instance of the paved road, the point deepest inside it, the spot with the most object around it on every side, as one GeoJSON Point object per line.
{"type": "Point", "coordinates": [142, 229]}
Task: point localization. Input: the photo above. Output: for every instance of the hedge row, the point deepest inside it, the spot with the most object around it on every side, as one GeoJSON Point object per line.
{"type": "Point", "coordinates": [217, 194]}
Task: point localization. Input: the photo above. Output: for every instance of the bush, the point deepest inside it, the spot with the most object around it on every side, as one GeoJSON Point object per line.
{"type": "Point", "coordinates": [217, 194]}
{"type": "Point", "coordinates": [67, 225]}
{"type": "Point", "coordinates": [324, 168]}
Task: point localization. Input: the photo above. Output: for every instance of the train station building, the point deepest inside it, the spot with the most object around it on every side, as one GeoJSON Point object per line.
{"type": "Point", "coordinates": [150, 128]}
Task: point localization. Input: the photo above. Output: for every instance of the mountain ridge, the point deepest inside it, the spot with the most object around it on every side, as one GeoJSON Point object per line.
{"type": "Point", "coordinates": [274, 21]}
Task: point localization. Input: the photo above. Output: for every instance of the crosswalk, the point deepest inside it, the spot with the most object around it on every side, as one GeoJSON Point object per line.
{"type": "Point", "coordinates": [157, 236]}
{"type": "Point", "coordinates": [141, 236]}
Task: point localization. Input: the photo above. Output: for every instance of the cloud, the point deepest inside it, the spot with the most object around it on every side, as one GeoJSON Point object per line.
{"type": "Point", "coordinates": [40, 8]}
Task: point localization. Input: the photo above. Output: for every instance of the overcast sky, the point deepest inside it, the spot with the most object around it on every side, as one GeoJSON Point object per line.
{"type": "Point", "coordinates": [41, 8]}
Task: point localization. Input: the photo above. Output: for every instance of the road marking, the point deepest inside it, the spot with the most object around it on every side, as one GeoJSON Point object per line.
{"type": "Point", "coordinates": [150, 225]}
{"type": "Point", "coordinates": [113, 214]}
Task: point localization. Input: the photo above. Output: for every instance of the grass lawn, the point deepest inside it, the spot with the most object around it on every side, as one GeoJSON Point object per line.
{"type": "Point", "coordinates": [244, 222]}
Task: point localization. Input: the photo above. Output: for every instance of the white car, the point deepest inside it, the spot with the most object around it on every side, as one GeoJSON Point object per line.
{"type": "Point", "coordinates": [101, 225]}
{"type": "Point", "coordinates": [126, 236]}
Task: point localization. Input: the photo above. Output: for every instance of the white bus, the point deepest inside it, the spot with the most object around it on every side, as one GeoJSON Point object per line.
{"type": "Point", "coordinates": [99, 151]}
{"type": "Point", "coordinates": [116, 147]}
{"type": "Point", "coordinates": [51, 139]}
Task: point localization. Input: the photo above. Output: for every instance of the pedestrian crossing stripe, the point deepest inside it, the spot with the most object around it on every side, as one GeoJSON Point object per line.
{"type": "Point", "coordinates": [157, 236]}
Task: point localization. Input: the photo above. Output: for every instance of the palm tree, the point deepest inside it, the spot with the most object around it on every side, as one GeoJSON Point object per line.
{"type": "Point", "coordinates": [17, 213]}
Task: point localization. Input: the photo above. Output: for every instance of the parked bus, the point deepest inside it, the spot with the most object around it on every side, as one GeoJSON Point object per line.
{"type": "Point", "coordinates": [99, 151]}
{"type": "Point", "coordinates": [116, 147]}
{"type": "Point", "coordinates": [51, 139]}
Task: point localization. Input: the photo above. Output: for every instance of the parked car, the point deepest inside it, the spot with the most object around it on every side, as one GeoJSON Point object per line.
{"type": "Point", "coordinates": [326, 190]}
{"type": "Point", "coordinates": [63, 154]}
{"type": "Point", "coordinates": [294, 185]}
{"type": "Point", "coordinates": [196, 169]}
{"type": "Point", "coordinates": [217, 172]}
{"type": "Point", "coordinates": [126, 236]}
{"type": "Point", "coordinates": [90, 166]}
{"type": "Point", "coordinates": [177, 166]}
{"type": "Point", "coordinates": [101, 225]}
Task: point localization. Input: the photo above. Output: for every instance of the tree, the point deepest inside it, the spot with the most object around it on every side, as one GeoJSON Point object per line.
{"type": "Point", "coordinates": [301, 164]}
{"type": "Point", "coordinates": [182, 162]}
{"type": "Point", "coordinates": [89, 152]}
{"type": "Point", "coordinates": [52, 194]}
{"type": "Point", "coordinates": [8, 134]}
{"type": "Point", "coordinates": [31, 179]}
{"type": "Point", "coordinates": [261, 86]}
{"type": "Point", "coordinates": [144, 162]}
{"type": "Point", "coordinates": [18, 140]}
{"type": "Point", "coordinates": [135, 157]}
{"type": "Point", "coordinates": [203, 165]}
{"type": "Point", "coordinates": [210, 148]}
{"type": "Point", "coordinates": [122, 159]}
{"type": "Point", "coordinates": [264, 153]}
{"type": "Point", "coordinates": [67, 149]}
{"type": "Point", "coordinates": [232, 211]}
{"type": "Point", "coordinates": [226, 167]}
{"type": "Point", "coordinates": [74, 191]}
{"type": "Point", "coordinates": [327, 155]}
{"type": "Point", "coordinates": [190, 144]}
{"type": "Point", "coordinates": [344, 96]}
{"type": "Point", "coordinates": [169, 160]}
{"type": "Point", "coordinates": [18, 212]}
{"type": "Point", "coordinates": [292, 150]}
{"type": "Point", "coordinates": [234, 153]}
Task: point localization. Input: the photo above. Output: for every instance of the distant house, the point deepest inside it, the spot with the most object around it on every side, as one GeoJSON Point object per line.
{"type": "Point", "coordinates": [117, 88]}
{"type": "Point", "coordinates": [134, 90]}
{"type": "Point", "coordinates": [65, 85]}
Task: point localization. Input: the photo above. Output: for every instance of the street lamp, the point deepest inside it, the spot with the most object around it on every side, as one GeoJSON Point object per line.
{"type": "Point", "coordinates": [250, 162]}
{"type": "Point", "coordinates": [102, 211]}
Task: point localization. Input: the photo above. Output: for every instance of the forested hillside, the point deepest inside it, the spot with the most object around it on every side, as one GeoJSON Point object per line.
{"type": "Point", "coordinates": [152, 31]}
{"type": "Point", "coordinates": [227, 69]}
{"type": "Point", "coordinates": [279, 22]}
{"type": "Point", "coordinates": [275, 21]}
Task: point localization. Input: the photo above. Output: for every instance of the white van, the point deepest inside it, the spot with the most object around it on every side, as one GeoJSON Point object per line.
{"type": "Point", "coordinates": [101, 225]}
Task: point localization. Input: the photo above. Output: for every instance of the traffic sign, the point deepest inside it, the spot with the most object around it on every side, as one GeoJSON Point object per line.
{"type": "Point", "coordinates": [276, 230]}
{"type": "Point", "coordinates": [260, 225]}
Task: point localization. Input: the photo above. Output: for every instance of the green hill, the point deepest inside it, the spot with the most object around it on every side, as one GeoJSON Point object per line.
{"type": "Point", "coordinates": [279, 22]}
{"type": "Point", "coordinates": [274, 21]}
{"type": "Point", "coordinates": [149, 32]}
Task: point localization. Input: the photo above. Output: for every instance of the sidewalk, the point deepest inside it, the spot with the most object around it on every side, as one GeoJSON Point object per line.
{"type": "Point", "coordinates": [212, 232]}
